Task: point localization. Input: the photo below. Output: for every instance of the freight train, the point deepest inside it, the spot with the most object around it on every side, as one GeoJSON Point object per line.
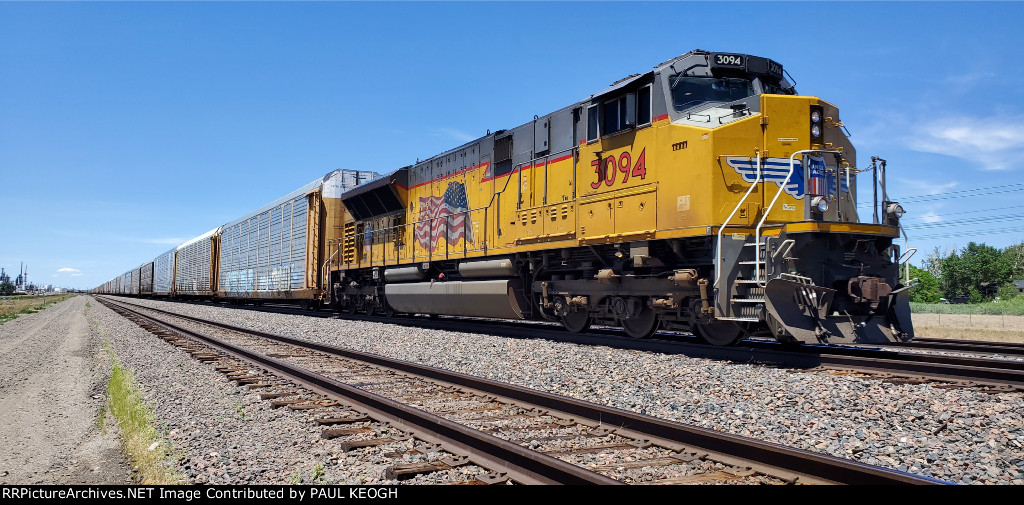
{"type": "Point", "coordinates": [704, 195]}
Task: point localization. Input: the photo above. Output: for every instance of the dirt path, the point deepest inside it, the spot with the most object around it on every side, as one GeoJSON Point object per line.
{"type": "Point", "coordinates": [52, 381]}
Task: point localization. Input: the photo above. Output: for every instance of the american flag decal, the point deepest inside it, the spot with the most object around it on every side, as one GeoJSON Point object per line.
{"type": "Point", "coordinates": [444, 217]}
{"type": "Point", "coordinates": [819, 179]}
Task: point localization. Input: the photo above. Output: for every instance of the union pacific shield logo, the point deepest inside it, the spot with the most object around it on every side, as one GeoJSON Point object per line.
{"type": "Point", "coordinates": [775, 170]}
{"type": "Point", "coordinates": [772, 170]}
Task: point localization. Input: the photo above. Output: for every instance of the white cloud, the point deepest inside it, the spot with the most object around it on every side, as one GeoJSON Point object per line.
{"type": "Point", "coordinates": [922, 186]}
{"type": "Point", "coordinates": [930, 217]}
{"type": "Point", "coordinates": [76, 275]}
{"type": "Point", "coordinates": [967, 81]}
{"type": "Point", "coordinates": [68, 269]}
{"type": "Point", "coordinates": [165, 241]}
{"type": "Point", "coordinates": [458, 135]}
{"type": "Point", "coordinates": [990, 143]}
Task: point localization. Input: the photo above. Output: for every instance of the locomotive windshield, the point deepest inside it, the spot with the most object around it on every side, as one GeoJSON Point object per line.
{"type": "Point", "coordinates": [689, 91]}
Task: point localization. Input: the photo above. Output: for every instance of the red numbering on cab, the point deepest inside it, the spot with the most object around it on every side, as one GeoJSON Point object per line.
{"type": "Point", "coordinates": [609, 168]}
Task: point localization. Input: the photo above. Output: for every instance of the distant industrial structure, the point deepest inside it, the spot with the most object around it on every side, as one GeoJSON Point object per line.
{"type": "Point", "coordinates": [23, 286]}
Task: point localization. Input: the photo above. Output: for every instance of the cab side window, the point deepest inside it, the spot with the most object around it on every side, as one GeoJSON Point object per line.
{"type": "Point", "coordinates": [592, 132]}
{"type": "Point", "coordinates": [643, 105]}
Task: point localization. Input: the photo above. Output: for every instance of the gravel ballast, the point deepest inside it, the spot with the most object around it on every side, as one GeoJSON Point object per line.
{"type": "Point", "coordinates": [959, 435]}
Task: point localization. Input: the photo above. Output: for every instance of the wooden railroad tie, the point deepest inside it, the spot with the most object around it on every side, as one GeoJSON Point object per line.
{"type": "Point", "coordinates": [344, 432]}
{"type": "Point", "coordinates": [328, 421]}
{"type": "Point", "coordinates": [404, 472]}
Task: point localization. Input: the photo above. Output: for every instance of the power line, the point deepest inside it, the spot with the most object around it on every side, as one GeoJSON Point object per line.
{"type": "Point", "coordinates": [970, 233]}
{"type": "Point", "coordinates": [965, 222]}
{"type": "Point", "coordinates": [951, 195]}
{"type": "Point", "coordinates": [944, 214]}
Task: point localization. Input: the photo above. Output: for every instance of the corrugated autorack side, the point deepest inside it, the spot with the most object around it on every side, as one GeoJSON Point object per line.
{"type": "Point", "coordinates": [702, 195]}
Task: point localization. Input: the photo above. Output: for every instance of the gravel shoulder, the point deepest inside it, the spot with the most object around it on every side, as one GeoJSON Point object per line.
{"type": "Point", "coordinates": [960, 435]}
{"type": "Point", "coordinates": [52, 386]}
{"type": "Point", "coordinates": [221, 433]}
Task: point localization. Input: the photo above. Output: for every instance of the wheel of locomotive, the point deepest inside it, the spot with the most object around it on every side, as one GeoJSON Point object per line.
{"type": "Point", "coordinates": [353, 306]}
{"type": "Point", "coordinates": [718, 332]}
{"type": "Point", "coordinates": [642, 325]}
{"type": "Point", "coordinates": [577, 321]}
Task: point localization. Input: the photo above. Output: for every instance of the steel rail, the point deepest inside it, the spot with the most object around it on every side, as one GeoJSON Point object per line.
{"type": "Point", "coordinates": [785, 462]}
{"type": "Point", "coordinates": [1008, 348]}
{"type": "Point", "coordinates": [519, 463]}
{"type": "Point", "coordinates": [884, 359]}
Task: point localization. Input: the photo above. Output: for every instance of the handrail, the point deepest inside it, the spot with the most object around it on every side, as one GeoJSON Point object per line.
{"type": "Point", "coordinates": [718, 248]}
{"type": "Point", "coordinates": [908, 252]}
{"type": "Point", "coordinates": [767, 210]}
{"type": "Point", "coordinates": [787, 245]}
{"type": "Point", "coordinates": [518, 168]}
{"type": "Point", "coordinates": [326, 272]}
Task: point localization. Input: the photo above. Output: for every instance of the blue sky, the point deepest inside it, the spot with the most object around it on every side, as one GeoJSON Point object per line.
{"type": "Point", "coordinates": [127, 128]}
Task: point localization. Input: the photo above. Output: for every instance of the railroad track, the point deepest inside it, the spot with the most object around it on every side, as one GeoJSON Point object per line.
{"type": "Point", "coordinates": [514, 433]}
{"type": "Point", "coordinates": [891, 363]}
{"type": "Point", "coordinates": [975, 346]}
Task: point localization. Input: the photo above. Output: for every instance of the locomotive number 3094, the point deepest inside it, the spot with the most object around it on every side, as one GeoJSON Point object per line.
{"type": "Point", "coordinates": [729, 59]}
{"type": "Point", "coordinates": [608, 169]}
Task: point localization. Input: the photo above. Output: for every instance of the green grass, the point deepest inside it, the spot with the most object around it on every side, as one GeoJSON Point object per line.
{"type": "Point", "coordinates": [1013, 306]}
{"type": "Point", "coordinates": [18, 305]}
{"type": "Point", "coordinates": [141, 440]}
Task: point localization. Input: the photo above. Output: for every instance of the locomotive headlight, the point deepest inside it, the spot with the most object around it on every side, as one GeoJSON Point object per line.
{"type": "Point", "coordinates": [815, 116]}
{"type": "Point", "coordinates": [896, 210]}
{"type": "Point", "coordinates": [815, 131]}
{"type": "Point", "coordinates": [820, 204]}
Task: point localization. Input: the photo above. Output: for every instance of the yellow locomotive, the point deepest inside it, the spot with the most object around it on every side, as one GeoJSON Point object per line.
{"type": "Point", "coordinates": [703, 195]}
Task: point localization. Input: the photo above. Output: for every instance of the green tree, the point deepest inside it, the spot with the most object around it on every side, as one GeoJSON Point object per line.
{"type": "Point", "coordinates": [6, 288]}
{"type": "Point", "coordinates": [1007, 291]}
{"type": "Point", "coordinates": [1014, 255]}
{"type": "Point", "coordinates": [974, 295]}
{"type": "Point", "coordinates": [933, 263]}
{"type": "Point", "coordinates": [927, 288]}
{"type": "Point", "coordinates": [975, 264]}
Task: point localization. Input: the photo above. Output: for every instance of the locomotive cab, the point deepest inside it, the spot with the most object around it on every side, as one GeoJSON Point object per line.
{"type": "Point", "coordinates": [792, 254]}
